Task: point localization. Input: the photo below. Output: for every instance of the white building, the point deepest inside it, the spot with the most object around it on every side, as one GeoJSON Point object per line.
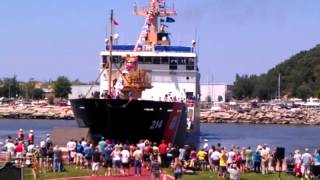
{"type": "Point", "coordinates": [214, 90]}
{"type": "Point", "coordinates": [81, 90]}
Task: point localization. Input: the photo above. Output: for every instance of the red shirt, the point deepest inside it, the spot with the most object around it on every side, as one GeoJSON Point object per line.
{"type": "Point", "coordinates": [163, 148]}
{"type": "Point", "coordinates": [19, 148]}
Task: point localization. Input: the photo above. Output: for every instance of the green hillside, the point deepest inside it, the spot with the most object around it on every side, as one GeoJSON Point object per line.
{"type": "Point", "coordinates": [300, 77]}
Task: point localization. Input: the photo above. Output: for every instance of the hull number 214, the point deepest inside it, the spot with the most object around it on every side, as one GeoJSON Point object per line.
{"type": "Point", "coordinates": [156, 124]}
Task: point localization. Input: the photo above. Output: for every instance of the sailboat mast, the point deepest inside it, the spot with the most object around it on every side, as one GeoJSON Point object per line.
{"type": "Point", "coordinates": [279, 96]}
{"type": "Point", "coordinates": [110, 52]}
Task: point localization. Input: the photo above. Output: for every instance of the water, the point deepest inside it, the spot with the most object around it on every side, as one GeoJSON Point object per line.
{"type": "Point", "coordinates": [40, 127]}
{"type": "Point", "coordinates": [290, 137]}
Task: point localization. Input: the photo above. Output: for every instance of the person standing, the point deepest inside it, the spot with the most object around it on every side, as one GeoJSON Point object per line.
{"type": "Point", "coordinates": [222, 164]}
{"type": "Point", "coordinates": [57, 159]}
{"type": "Point", "coordinates": [10, 147]}
{"type": "Point", "coordinates": [155, 168]}
{"type": "Point", "coordinates": [95, 162]}
{"type": "Point", "coordinates": [107, 160]}
{"type": "Point", "coordinates": [163, 152]}
{"type": "Point", "coordinates": [125, 155]}
{"type": "Point", "coordinates": [306, 161]}
{"type": "Point", "coordinates": [20, 135]}
{"type": "Point", "coordinates": [215, 157]}
{"type": "Point", "coordinates": [137, 155]}
{"type": "Point", "coordinates": [265, 156]}
{"type": "Point", "coordinates": [317, 157]}
{"type": "Point", "coordinates": [177, 169]}
{"type": "Point", "coordinates": [71, 146]}
{"type": "Point", "coordinates": [248, 156]}
{"type": "Point", "coordinates": [79, 155]}
{"type": "Point", "coordinates": [257, 161]}
{"type": "Point", "coordinates": [19, 150]}
{"type": "Point", "coordinates": [116, 160]}
{"type": "Point", "coordinates": [30, 137]}
{"type": "Point", "coordinates": [88, 151]}
{"type": "Point", "coordinates": [297, 162]}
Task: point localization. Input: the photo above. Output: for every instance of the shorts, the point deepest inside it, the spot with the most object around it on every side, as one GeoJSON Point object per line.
{"type": "Point", "coordinates": [79, 158]}
{"type": "Point", "coordinates": [116, 164]}
{"type": "Point", "coordinates": [177, 175]}
{"type": "Point", "coordinates": [107, 163]}
{"type": "Point", "coordinates": [88, 158]}
{"type": "Point", "coordinates": [222, 169]}
{"type": "Point", "coordinates": [125, 165]}
{"type": "Point", "coordinates": [215, 162]}
{"type": "Point", "coordinates": [95, 166]}
{"type": "Point", "coordinates": [146, 157]}
{"type": "Point", "coordinates": [19, 155]}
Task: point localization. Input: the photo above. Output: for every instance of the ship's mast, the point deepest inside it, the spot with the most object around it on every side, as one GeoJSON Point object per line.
{"type": "Point", "coordinates": [110, 52]}
{"type": "Point", "coordinates": [157, 9]}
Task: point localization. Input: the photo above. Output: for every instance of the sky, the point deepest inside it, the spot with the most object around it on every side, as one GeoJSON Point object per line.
{"type": "Point", "coordinates": [45, 39]}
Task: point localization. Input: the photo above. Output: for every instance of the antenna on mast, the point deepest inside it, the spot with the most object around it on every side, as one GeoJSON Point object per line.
{"type": "Point", "coordinates": [110, 52]}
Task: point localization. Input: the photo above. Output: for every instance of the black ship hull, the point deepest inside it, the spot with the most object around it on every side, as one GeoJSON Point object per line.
{"type": "Point", "coordinates": [133, 120]}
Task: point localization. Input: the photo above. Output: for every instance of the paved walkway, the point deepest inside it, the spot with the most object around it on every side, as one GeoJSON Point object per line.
{"type": "Point", "coordinates": [145, 176]}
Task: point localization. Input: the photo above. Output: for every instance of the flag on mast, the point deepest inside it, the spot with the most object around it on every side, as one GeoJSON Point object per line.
{"type": "Point", "coordinates": [114, 22]}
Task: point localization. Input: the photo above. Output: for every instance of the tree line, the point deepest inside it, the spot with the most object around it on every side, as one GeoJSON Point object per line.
{"type": "Point", "coordinates": [10, 87]}
{"type": "Point", "coordinates": [299, 77]}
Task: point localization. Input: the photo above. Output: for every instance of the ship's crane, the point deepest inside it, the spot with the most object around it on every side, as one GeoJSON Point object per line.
{"type": "Point", "coordinates": [131, 81]}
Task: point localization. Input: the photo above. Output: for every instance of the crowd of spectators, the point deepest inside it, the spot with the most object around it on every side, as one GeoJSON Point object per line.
{"type": "Point", "coordinates": [116, 158]}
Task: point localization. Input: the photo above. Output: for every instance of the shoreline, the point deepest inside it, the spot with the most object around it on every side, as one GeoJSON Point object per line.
{"type": "Point", "coordinates": [252, 116]}
{"type": "Point", "coordinates": [262, 116]}
{"type": "Point", "coordinates": [36, 112]}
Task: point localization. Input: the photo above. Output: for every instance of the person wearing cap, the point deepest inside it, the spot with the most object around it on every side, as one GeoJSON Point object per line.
{"type": "Point", "coordinates": [306, 161]}
{"type": "Point", "coordinates": [30, 137]}
{"type": "Point", "coordinates": [20, 135]}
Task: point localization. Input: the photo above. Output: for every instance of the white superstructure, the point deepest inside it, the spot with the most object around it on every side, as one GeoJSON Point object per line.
{"type": "Point", "coordinates": [174, 74]}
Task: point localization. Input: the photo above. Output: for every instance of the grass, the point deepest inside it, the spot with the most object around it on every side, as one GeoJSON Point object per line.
{"type": "Point", "coordinates": [71, 171]}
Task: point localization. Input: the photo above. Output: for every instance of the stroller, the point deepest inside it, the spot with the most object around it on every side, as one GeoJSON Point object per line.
{"type": "Point", "coordinates": [290, 165]}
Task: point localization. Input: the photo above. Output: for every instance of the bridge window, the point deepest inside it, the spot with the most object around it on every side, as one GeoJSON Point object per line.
{"type": "Point", "coordinates": [173, 64]}
{"type": "Point", "coordinates": [182, 60]}
{"type": "Point", "coordinates": [148, 60]}
{"type": "Point", "coordinates": [156, 60]}
{"type": "Point", "coordinates": [190, 64]}
{"type": "Point", "coordinates": [104, 59]}
{"type": "Point", "coordinates": [164, 60]}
